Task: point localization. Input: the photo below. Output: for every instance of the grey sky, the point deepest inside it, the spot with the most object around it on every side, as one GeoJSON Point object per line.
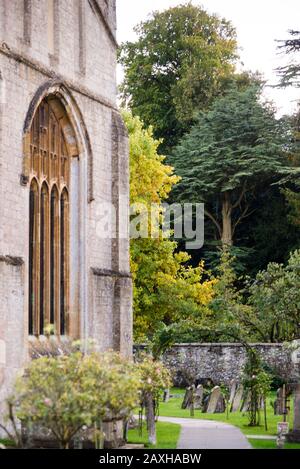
{"type": "Point", "coordinates": [258, 24]}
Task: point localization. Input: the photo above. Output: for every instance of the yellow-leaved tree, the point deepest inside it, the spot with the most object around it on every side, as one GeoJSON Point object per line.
{"type": "Point", "coordinates": [166, 288]}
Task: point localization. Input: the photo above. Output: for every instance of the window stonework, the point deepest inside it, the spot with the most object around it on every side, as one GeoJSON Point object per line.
{"type": "Point", "coordinates": [49, 220]}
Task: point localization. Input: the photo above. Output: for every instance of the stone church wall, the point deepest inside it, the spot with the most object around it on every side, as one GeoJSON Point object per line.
{"type": "Point", "coordinates": [68, 46]}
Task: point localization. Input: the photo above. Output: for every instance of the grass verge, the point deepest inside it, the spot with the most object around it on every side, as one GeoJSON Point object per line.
{"type": "Point", "coordinates": [271, 444]}
{"type": "Point", "coordinates": [239, 419]}
{"type": "Point", "coordinates": [167, 436]}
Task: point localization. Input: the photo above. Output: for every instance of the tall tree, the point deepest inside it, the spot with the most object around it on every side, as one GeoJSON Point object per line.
{"type": "Point", "coordinates": [290, 74]}
{"type": "Point", "coordinates": [176, 66]}
{"type": "Point", "coordinates": [233, 149]}
{"type": "Point", "coordinates": [165, 287]}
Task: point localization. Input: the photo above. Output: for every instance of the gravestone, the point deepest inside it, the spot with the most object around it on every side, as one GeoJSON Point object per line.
{"type": "Point", "coordinates": [205, 402]}
{"type": "Point", "coordinates": [221, 405]}
{"type": "Point", "coordinates": [166, 395]}
{"type": "Point", "coordinates": [236, 404]}
{"type": "Point", "coordinates": [214, 399]}
{"type": "Point", "coordinates": [294, 435]}
{"type": "Point", "coordinates": [279, 402]}
{"type": "Point", "coordinates": [246, 402]}
{"type": "Point", "coordinates": [198, 397]}
{"type": "Point", "coordinates": [188, 398]}
{"type": "Point", "coordinates": [233, 389]}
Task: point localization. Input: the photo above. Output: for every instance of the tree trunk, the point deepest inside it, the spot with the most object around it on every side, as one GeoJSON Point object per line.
{"type": "Point", "coordinates": [150, 419]}
{"type": "Point", "coordinates": [226, 220]}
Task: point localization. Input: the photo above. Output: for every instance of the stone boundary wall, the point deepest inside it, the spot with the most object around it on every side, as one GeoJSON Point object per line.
{"type": "Point", "coordinates": [223, 362]}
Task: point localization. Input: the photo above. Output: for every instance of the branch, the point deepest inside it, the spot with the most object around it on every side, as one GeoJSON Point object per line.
{"type": "Point", "coordinates": [214, 220]}
{"type": "Point", "coordinates": [243, 192]}
{"type": "Point", "coordinates": [10, 435]}
{"type": "Point", "coordinates": [244, 215]}
{"type": "Point", "coordinates": [247, 322]}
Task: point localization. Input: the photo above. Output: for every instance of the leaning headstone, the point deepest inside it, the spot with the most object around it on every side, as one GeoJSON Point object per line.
{"type": "Point", "coordinates": [236, 404]}
{"type": "Point", "coordinates": [188, 397]}
{"type": "Point", "coordinates": [233, 389]}
{"type": "Point", "coordinates": [198, 397]}
{"type": "Point", "coordinates": [214, 399]}
{"type": "Point", "coordinates": [246, 402]}
{"type": "Point", "coordinates": [221, 405]}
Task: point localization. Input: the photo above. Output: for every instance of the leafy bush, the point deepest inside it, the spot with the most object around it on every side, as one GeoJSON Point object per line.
{"type": "Point", "coordinates": [154, 375]}
{"type": "Point", "coordinates": [67, 393]}
{"type": "Point", "coordinates": [275, 298]}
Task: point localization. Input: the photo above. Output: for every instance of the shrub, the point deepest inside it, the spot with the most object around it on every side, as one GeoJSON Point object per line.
{"type": "Point", "coordinates": [64, 394]}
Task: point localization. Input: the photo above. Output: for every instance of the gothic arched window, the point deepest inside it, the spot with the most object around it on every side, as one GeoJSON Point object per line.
{"type": "Point", "coordinates": [48, 223]}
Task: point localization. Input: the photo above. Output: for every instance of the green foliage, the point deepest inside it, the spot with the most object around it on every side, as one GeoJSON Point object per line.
{"type": "Point", "coordinates": [257, 382]}
{"type": "Point", "coordinates": [275, 298]}
{"type": "Point", "coordinates": [165, 287]}
{"type": "Point", "coordinates": [277, 380]}
{"type": "Point", "coordinates": [67, 393]}
{"type": "Point", "coordinates": [227, 305]}
{"type": "Point", "coordinates": [290, 74]}
{"type": "Point", "coordinates": [293, 200]}
{"type": "Point", "coordinates": [155, 377]}
{"type": "Point", "coordinates": [163, 338]}
{"type": "Point", "coordinates": [269, 231]}
{"type": "Point", "coordinates": [177, 65]}
{"type": "Point", "coordinates": [151, 180]}
{"type": "Point", "coordinates": [233, 148]}
{"type": "Point", "coordinates": [271, 444]}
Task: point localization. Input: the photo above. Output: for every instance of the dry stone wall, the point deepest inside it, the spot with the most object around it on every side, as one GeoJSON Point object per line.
{"type": "Point", "coordinates": [223, 362]}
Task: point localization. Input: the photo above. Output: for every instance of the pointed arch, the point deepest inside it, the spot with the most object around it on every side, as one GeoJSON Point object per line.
{"type": "Point", "coordinates": [67, 111]}
{"type": "Point", "coordinates": [57, 166]}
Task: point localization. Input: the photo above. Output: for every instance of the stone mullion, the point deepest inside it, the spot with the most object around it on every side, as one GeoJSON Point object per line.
{"type": "Point", "coordinates": [47, 233]}
{"type": "Point", "coordinates": [66, 261]}
{"type": "Point", "coordinates": [57, 266]}
{"type": "Point", "coordinates": [36, 274]}
{"type": "Point", "coordinates": [59, 157]}
{"type": "Point", "coordinates": [47, 261]}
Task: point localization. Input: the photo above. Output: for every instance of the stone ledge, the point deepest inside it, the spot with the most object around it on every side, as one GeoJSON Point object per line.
{"type": "Point", "coordinates": [110, 273]}
{"type": "Point", "coordinates": [11, 260]}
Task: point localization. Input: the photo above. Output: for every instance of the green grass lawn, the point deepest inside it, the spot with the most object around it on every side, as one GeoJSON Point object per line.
{"type": "Point", "coordinates": [167, 436]}
{"type": "Point", "coordinates": [239, 419]}
{"type": "Point", "coordinates": [271, 444]}
{"type": "Point", "coordinates": [6, 442]}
